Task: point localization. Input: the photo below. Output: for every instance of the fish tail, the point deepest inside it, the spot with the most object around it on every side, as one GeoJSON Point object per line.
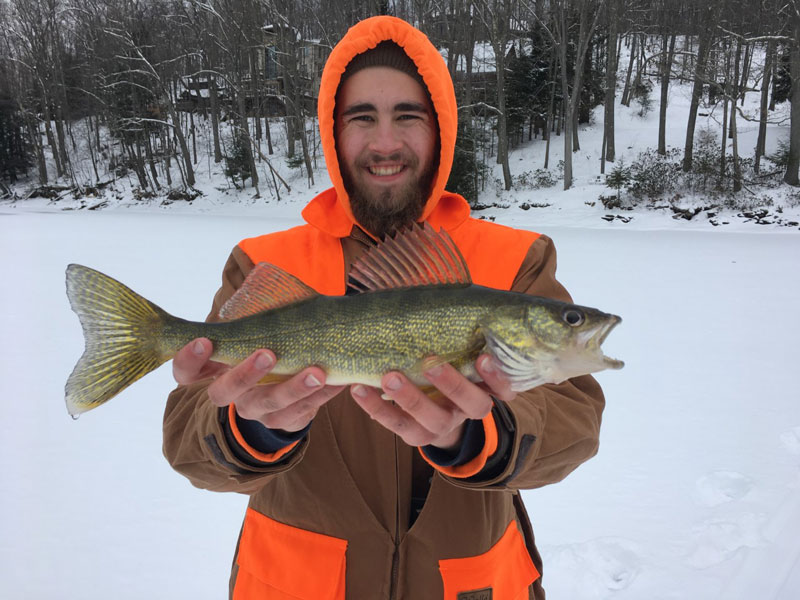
{"type": "Point", "coordinates": [124, 334]}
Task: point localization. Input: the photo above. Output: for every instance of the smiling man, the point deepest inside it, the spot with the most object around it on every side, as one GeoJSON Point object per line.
{"type": "Point", "coordinates": [386, 139]}
{"type": "Point", "coordinates": [352, 496]}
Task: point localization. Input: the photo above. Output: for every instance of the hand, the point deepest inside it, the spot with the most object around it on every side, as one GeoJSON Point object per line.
{"type": "Point", "coordinates": [289, 405]}
{"type": "Point", "coordinates": [418, 419]}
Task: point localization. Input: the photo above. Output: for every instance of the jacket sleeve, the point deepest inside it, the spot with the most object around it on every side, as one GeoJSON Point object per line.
{"type": "Point", "coordinates": [548, 431]}
{"type": "Point", "coordinates": [199, 441]}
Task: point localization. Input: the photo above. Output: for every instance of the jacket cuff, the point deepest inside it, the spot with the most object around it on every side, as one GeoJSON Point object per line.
{"type": "Point", "coordinates": [472, 441]}
{"type": "Point", "coordinates": [254, 444]}
{"type": "Point", "coordinates": [474, 466]}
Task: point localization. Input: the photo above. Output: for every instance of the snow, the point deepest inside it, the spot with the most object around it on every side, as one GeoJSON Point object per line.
{"type": "Point", "coordinates": [695, 492]}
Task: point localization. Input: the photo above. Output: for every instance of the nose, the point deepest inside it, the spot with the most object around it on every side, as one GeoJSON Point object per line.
{"type": "Point", "coordinates": [385, 139]}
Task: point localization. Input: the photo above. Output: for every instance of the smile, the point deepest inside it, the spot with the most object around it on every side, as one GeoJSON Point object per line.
{"type": "Point", "coordinates": [384, 171]}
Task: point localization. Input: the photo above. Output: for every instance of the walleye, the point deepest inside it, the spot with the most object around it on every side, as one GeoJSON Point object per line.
{"type": "Point", "coordinates": [416, 307]}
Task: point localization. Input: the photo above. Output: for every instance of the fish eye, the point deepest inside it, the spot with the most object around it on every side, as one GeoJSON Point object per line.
{"type": "Point", "coordinates": [573, 317]}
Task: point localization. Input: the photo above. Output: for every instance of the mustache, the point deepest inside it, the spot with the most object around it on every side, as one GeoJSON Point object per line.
{"type": "Point", "coordinates": [396, 157]}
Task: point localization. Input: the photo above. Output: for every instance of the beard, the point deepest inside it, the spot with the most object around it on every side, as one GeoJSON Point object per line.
{"type": "Point", "coordinates": [384, 211]}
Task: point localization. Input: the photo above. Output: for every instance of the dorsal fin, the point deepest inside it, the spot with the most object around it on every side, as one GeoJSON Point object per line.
{"type": "Point", "coordinates": [415, 257]}
{"type": "Point", "coordinates": [266, 287]}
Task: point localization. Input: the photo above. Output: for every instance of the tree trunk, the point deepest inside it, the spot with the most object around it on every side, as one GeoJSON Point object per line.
{"type": "Point", "coordinates": [562, 58]}
{"type": "Point", "coordinates": [51, 140]}
{"type": "Point", "coordinates": [588, 24]}
{"type": "Point", "coordinates": [793, 166]}
{"type": "Point", "coordinates": [151, 160]}
{"type": "Point", "coordinates": [726, 89]}
{"type": "Point", "coordinates": [548, 130]}
{"type": "Point", "coordinates": [748, 59]}
{"type": "Point", "coordinates": [737, 167]}
{"type": "Point", "coordinates": [36, 138]}
{"type": "Point", "coordinates": [187, 158]}
{"type": "Point", "coordinates": [697, 89]}
{"type": "Point", "coordinates": [214, 101]}
{"type": "Point", "coordinates": [762, 121]}
{"type": "Point", "coordinates": [626, 92]}
{"type": "Point", "coordinates": [735, 85]}
{"type": "Point", "coordinates": [611, 84]}
{"type": "Point", "coordinates": [502, 130]}
{"type": "Point", "coordinates": [244, 131]}
{"type": "Point", "coordinates": [62, 143]}
{"type": "Point", "coordinates": [667, 54]}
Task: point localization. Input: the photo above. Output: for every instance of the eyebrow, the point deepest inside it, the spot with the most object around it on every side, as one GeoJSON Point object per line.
{"type": "Point", "coordinates": [363, 107]}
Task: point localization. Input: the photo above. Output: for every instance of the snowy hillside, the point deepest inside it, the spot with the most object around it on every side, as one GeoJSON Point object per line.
{"type": "Point", "coordinates": [694, 495]}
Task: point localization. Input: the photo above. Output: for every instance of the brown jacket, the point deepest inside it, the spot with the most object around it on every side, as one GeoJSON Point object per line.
{"type": "Point", "coordinates": [331, 518]}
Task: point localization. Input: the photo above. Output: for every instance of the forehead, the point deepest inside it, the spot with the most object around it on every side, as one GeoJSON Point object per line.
{"type": "Point", "coordinates": [382, 87]}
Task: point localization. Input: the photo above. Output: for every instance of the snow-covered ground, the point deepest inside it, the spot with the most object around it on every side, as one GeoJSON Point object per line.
{"type": "Point", "coordinates": [695, 493]}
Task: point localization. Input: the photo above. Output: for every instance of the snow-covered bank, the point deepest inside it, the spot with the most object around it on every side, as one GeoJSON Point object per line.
{"type": "Point", "coordinates": [695, 493]}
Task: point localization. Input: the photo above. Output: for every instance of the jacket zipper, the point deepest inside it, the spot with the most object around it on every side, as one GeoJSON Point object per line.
{"type": "Point", "coordinates": [396, 555]}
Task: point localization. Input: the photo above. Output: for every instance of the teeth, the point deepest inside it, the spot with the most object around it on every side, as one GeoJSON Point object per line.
{"type": "Point", "coordinates": [382, 171]}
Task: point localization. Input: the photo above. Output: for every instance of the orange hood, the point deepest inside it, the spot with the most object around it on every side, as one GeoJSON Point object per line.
{"type": "Point", "coordinates": [330, 210]}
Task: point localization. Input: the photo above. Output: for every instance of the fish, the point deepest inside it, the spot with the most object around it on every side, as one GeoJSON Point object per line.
{"type": "Point", "coordinates": [413, 306]}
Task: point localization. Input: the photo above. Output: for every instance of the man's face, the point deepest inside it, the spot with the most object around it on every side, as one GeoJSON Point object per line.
{"type": "Point", "coordinates": [386, 140]}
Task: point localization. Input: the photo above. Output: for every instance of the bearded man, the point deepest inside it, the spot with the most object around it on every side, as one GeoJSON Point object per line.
{"type": "Point", "coordinates": [353, 496]}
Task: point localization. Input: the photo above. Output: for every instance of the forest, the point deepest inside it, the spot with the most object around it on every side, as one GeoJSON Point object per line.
{"type": "Point", "coordinates": [129, 83]}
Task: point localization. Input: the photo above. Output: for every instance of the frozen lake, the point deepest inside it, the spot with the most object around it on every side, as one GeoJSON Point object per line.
{"type": "Point", "coordinates": [695, 493]}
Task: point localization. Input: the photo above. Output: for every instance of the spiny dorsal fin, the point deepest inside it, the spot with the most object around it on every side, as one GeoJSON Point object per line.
{"type": "Point", "coordinates": [265, 288]}
{"type": "Point", "coordinates": [415, 257]}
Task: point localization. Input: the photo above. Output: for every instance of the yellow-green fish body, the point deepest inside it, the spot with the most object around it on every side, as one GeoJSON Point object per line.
{"type": "Point", "coordinates": [439, 316]}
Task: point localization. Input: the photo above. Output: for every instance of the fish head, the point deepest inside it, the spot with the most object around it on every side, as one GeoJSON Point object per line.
{"type": "Point", "coordinates": [552, 342]}
{"type": "Point", "coordinates": [570, 338]}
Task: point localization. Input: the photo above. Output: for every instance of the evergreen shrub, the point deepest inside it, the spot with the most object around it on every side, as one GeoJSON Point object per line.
{"type": "Point", "coordinates": [237, 164]}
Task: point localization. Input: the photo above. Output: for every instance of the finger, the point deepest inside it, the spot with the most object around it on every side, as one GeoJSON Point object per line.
{"type": "Point", "coordinates": [436, 418]}
{"type": "Point", "coordinates": [474, 402]}
{"type": "Point", "coordinates": [241, 378]}
{"type": "Point", "coordinates": [390, 416]}
{"type": "Point", "coordinates": [192, 363]}
{"type": "Point", "coordinates": [494, 378]}
{"type": "Point", "coordinates": [257, 401]}
{"type": "Point", "coordinates": [298, 415]}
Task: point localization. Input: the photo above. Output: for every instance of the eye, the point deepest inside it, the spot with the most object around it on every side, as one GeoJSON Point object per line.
{"type": "Point", "coordinates": [573, 317]}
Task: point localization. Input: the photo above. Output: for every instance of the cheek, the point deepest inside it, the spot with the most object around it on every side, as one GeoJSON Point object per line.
{"type": "Point", "coordinates": [348, 146]}
{"type": "Point", "coordinates": [424, 145]}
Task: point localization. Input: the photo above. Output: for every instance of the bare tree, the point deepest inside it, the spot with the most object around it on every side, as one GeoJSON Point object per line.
{"type": "Point", "coordinates": [613, 9]}
{"type": "Point", "coordinates": [496, 15]}
{"type": "Point", "coordinates": [705, 34]}
{"type": "Point", "coordinates": [792, 176]}
{"type": "Point", "coordinates": [588, 16]}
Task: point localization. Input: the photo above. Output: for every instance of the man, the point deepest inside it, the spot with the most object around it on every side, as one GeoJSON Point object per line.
{"type": "Point", "coordinates": [353, 496]}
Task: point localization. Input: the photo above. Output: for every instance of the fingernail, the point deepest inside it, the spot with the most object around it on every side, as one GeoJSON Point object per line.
{"type": "Point", "coordinates": [312, 381]}
{"type": "Point", "coordinates": [198, 348]}
{"type": "Point", "coordinates": [359, 390]}
{"type": "Point", "coordinates": [393, 383]}
{"type": "Point", "coordinates": [488, 365]}
{"type": "Point", "coordinates": [263, 361]}
{"type": "Point", "coordinates": [434, 371]}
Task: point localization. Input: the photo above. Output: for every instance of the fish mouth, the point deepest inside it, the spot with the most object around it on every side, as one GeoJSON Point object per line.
{"type": "Point", "coordinates": [594, 340]}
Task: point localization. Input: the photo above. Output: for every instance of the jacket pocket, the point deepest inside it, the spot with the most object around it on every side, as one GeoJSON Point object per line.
{"type": "Point", "coordinates": [505, 572]}
{"type": "Point", "coordinates": [281, 562]}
